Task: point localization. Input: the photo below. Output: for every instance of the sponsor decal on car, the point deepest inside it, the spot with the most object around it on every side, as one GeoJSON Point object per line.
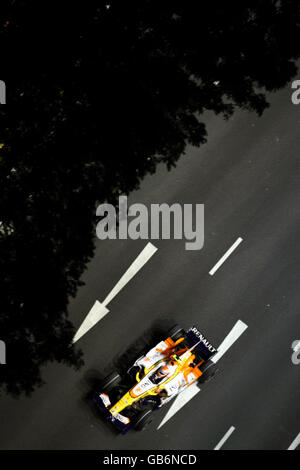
{"type": "Point", "coordinates": [203, 340]}
{"type": "Point", "coordinates": [122, 418]}
{"type": "Point", "coordinates": [105, 399]}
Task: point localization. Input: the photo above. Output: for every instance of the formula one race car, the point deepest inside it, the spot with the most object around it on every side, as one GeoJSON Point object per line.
{"type": "Point", "coordinates": [154, 379]}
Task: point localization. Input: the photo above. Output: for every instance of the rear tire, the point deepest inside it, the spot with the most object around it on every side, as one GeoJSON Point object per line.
{"type": "Point", "coordinates": [143, 420]}
{"type": "Point", "coordinates": [176, 332]}
{"type": "Point", "coordinates": [111, 381]}
{"type": "Point", "coordinates": [209, 371]}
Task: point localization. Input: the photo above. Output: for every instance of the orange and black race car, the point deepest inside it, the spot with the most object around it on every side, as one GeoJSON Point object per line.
{"type": "Point", "coordinates": [168, 369]}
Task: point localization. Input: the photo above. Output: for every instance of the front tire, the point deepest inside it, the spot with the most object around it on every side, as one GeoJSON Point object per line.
{"type": "Point", "coordinates": [176, 333]}
{"type": "Point", "coordinates": [143, 420]}
{"type": "Point", "coordinates": [111, 381]}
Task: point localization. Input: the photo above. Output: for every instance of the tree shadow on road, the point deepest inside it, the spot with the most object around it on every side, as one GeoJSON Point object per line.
{"type": "Point", "coordinates": [113, 93]}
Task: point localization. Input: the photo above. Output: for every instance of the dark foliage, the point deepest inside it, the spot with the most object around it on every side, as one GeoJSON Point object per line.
{"type": "Point", "coordinates": [97, 94]}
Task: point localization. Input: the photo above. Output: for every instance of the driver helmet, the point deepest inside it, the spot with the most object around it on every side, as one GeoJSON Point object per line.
{"type": "Point", "coordinates": [163, 372]}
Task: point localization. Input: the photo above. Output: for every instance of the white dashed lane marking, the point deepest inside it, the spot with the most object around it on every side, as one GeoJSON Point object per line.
{"type": "Point", "coordinates": [224, 438]}
{"type": "Point", "coordinates": [224, 257]}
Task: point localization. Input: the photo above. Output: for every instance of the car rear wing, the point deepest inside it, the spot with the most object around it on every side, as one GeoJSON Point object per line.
{"type": "Point", "coordinates": [200, 344]}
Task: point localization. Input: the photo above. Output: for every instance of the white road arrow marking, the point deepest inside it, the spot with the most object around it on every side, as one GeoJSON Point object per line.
{"type": "Point", "coordinates": [180, 401]}
{"type": "Point", "coordinates": [99, 310]}
{"type": "Point", "coordinates": [235, 333]}
{"type": "Point", "coordinates": [138, 263]}
{"type": "Point", "coordinates": [295, 443]}
{"type": "Point", "coordinates": [224, 257]}
{"type": "Point", "coordinates": [224, 439]}
{"type": "Point", "coordinates": [188, 394]}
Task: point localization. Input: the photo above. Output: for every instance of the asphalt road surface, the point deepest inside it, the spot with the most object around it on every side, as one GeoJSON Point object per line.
{"type": "Point", "coordinates": [248, 177]}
